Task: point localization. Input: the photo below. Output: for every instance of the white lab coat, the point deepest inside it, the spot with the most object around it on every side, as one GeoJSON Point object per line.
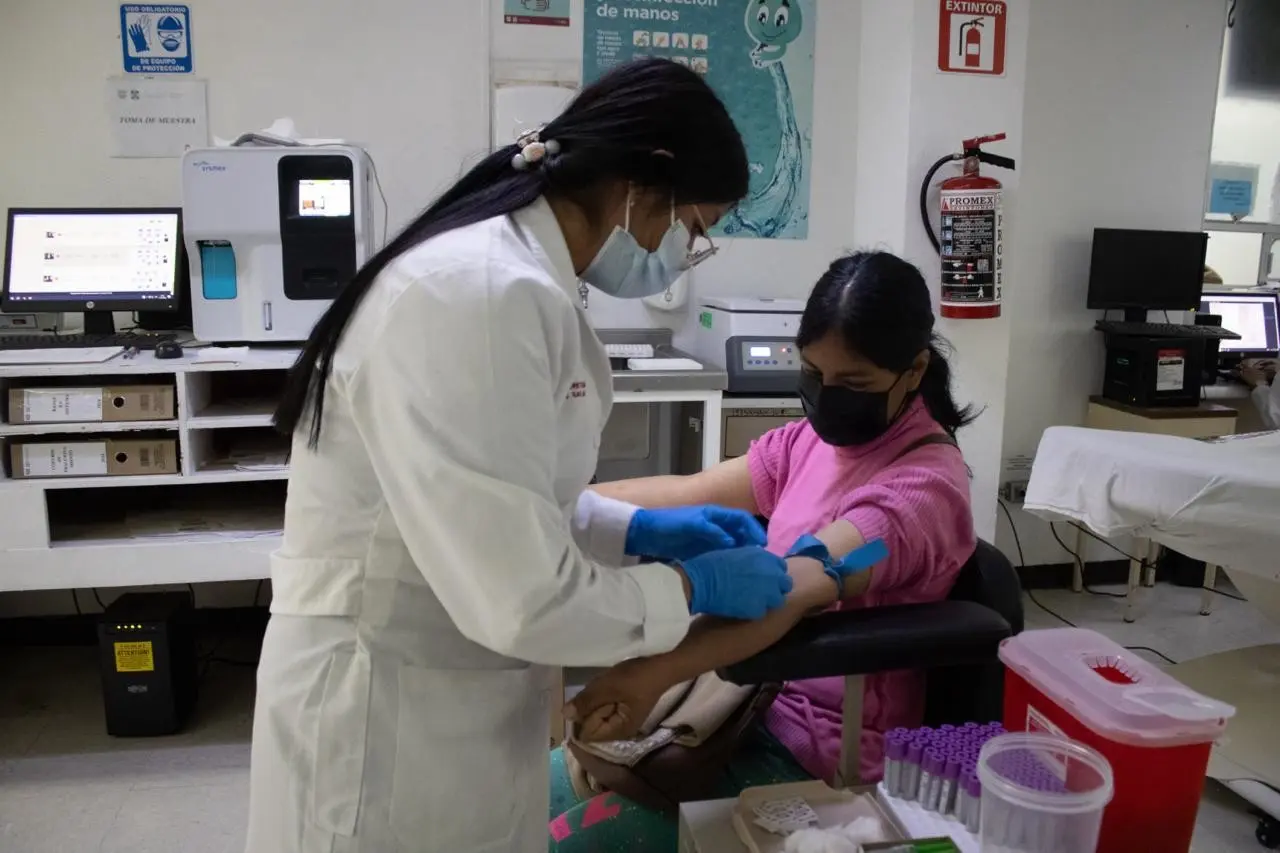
{"type": "Point", "coordinates": [439, 552]}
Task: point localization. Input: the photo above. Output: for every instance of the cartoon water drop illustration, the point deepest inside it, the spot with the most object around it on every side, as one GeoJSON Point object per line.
{"type": "Point", "coordinates": [773, 208]}
{"type": "Point", "coordinates": [773, 24]}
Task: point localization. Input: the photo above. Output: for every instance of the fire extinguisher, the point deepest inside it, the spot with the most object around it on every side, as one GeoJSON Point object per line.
{"type": "Point", "coordinates": [971, 43]}
{"type": "Point", "coordinates": [972, 236]}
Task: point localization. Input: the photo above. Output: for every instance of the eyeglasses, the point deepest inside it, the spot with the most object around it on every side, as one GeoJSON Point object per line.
{"type": "Point", "coordinates": [697, 256]}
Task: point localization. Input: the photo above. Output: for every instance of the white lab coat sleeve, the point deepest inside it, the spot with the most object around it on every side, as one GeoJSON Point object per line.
{"type": "Point", "coordinates": [600, 527]}
{"type": "Point", "coordinates": [457, 404]}
{"type": "Point", "coordinates": [1267, 400]}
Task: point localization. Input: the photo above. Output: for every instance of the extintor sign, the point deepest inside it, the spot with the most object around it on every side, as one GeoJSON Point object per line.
{"type": "Point", "coordinates": [972, 247]}
{"type": "Point", "coordinates": [972, 36]}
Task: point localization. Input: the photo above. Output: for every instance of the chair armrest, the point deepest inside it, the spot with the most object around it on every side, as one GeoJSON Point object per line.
{"type": "Point", "coordinates": [878, 639]}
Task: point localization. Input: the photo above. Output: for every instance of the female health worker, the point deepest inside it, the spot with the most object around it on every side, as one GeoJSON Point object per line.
{"type": "Point", "coordinates": [440, 550]}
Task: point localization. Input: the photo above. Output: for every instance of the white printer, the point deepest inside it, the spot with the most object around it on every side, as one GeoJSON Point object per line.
{"type": "Point", "coordinates": [753, 338]}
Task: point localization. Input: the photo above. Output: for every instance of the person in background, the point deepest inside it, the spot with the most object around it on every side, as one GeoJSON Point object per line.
{"type": "Point", "coordinates": [1265, 393]}
{"type": "Point", "coordinates": [874, 458]}
{"type": "Point", "coordinates": [441, 552]}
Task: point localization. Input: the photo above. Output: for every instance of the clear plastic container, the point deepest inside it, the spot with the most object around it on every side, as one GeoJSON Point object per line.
{"type": "Point", "coordinates": [1042, 794]}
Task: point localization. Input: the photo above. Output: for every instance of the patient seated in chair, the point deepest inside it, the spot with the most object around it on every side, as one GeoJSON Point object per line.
{"type": "Point", "coordinates": [875, 459]}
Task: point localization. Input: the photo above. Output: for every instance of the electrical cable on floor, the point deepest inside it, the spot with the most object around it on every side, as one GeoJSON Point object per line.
{"type": "Point", "coordinates": [191, 588]}
{"type": "Point", "coordinates": [1022, 562]}
{"type": "Point", "coordinates": [1123, 553]}
{"type": "Point", "coordinates": [75, 599]}
{"type": "Point", "coordinates": [1080, 566]}
{"type": "Point", "coordinates": [1158, 654]}
{"type": "Point", "coordinates": [1146, 564]}
{"type": "Point", "coordinates": [98, 598]}
{"type": "Point", "coordinates": [257, 592]}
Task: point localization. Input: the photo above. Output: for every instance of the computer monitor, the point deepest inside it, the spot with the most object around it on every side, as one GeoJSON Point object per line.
{"type": "Point", "coordinates": [1255, 317]}
{"type": "Point", "coordinates": [95, 260]}
{"type": "Point", "coordinates": [1141, 271]}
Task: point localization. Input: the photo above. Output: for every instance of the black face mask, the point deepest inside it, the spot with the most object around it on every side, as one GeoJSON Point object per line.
{"type": "Point", "coordinates": [843, 417]}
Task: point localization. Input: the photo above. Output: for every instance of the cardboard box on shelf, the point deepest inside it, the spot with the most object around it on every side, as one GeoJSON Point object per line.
{"type": "Point", "coordinates": [100, 458]}
{"type": "Point", "coordinates": [112, 404]}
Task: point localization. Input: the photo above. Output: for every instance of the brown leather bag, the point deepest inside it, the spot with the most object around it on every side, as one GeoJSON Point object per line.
{"type": "Point", "coordinates": [675, 774]}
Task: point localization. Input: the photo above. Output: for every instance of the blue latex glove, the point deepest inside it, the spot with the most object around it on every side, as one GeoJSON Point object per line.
{"type": "Point", "coordinates": [683, 533]}
{"type": "Point", "coordinates": [738, 583]}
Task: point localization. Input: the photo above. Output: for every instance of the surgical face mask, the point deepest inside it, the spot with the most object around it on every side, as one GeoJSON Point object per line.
{"type": "Point", "coordinates": [625, 269]}
{"type": "Point", "coordinates": [843, 417]}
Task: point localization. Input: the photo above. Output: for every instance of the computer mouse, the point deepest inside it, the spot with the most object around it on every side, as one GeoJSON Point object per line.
{"type": "Point", "coordinates": [168, 349]}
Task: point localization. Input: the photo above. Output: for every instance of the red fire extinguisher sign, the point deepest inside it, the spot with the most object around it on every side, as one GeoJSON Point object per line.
{"type": "Point", "coordinates": [971, 36]}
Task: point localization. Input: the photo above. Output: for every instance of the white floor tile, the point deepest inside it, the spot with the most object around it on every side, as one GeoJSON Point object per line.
{"type": "Point", "coordinates": [205, 819]}
{"type": "Point", "coordinates": [66, 787]}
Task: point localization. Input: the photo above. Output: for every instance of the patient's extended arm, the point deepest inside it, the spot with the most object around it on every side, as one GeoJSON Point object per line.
{"type": "Point", "coordinates": [615, 705]}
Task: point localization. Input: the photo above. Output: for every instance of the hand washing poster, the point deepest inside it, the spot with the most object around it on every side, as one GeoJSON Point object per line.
{"type": "Point", "coordinates": [758, 56]}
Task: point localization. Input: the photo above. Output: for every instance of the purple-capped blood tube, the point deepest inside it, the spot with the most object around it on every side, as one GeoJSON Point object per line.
{"type": "Point", "coordinates": [947, 789]}
{"type": "Point", "coordinates": [910, 777]}
{"type": "Point", "coordinates": [965, 804]}
{"type": "Point", "coordinates": [894, 753]}
{"type": "Point", "coordinates": [931, 779]}
{"type": "Point", "coordinates": [974, 823]}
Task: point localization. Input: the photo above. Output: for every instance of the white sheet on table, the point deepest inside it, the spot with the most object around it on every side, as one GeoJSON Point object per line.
{"type": "Point", "coordinates": [1213, 501]}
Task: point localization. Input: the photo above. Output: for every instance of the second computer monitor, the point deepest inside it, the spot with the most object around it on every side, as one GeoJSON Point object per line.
{"type": "Point", "coordinates": [1252, 316]}
{"type": "Point", "coordinates": [1142, 271]}
{"type": "Point", "coordinates": [95, 260]}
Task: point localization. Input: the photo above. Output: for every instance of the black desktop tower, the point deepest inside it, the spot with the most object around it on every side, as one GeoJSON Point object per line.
{"type": "Point", "coordinates": [1153, 372]}
{"type": "Point", "coordinates": [150, 676]}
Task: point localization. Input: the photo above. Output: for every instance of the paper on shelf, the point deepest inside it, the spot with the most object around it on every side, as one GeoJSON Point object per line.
{"type": "Point", "coordinates": [73, 355]}
{"type": "Point", "coordinates": [244, 523]}
{"type": "Point", "coordinates": [229, 355]}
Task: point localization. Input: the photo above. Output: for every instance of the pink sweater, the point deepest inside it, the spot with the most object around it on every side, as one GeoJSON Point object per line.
{"type": "Point", "coordinates": [919, 506]}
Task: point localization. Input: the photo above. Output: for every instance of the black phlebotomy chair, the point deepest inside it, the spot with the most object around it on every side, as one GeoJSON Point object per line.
{"type": "Point", "coordinates": [954, 641]}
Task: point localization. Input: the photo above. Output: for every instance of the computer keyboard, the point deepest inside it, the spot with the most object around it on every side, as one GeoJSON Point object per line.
{"type": "Point", "coordinates": [1163, 330]}
{"type": "Point", "coordinates": [629, 350]}
{"type": "Point", "coordinates": [79, 341]}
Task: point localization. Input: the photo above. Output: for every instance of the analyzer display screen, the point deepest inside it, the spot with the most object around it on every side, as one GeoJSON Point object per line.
{"type": "Point", "coordinates": [329, 197]}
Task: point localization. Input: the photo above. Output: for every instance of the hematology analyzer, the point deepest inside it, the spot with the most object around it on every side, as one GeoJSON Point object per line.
{"type": "Point", "coordinates": [273, 234]}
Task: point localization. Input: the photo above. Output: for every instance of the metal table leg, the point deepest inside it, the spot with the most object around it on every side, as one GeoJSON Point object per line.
{"type": "Point", "coordinates": [1206, 595]}
{"type": "Point", "coordinates": [1135, 580]}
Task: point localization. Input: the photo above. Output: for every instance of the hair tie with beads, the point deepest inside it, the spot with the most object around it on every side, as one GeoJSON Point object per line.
{"type": "Point", "coordinates": [533, 150]}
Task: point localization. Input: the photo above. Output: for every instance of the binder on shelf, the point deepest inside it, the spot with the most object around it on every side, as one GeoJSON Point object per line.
{"type": "Point", "coordinates": [98, 458]}
{"type": "Point", "coordinates": [112, 404]}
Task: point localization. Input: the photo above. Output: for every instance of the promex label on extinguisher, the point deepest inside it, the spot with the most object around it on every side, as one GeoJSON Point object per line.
{"type": "Point", "coordinates": [972, 249]}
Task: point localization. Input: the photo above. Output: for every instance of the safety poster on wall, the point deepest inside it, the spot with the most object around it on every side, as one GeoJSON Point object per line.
{"type": "Point", "coordinates": [156, 39]}
{"type": "Point", "coordinates": [759, 56]}
{"type": "Point", "coordinates": [971, 36]}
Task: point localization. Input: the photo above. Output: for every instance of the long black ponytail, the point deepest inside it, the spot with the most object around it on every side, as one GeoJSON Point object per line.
{"type": "Point", "coordinates": [609, 132]}
{"type": "Point", "coordinates": [879, 305]}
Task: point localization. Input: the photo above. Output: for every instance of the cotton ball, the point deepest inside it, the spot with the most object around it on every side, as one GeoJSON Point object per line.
{"type": "Point", "coordinates": [864, 830]}
{"type": "Point", "coordinates": [819, 841]}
